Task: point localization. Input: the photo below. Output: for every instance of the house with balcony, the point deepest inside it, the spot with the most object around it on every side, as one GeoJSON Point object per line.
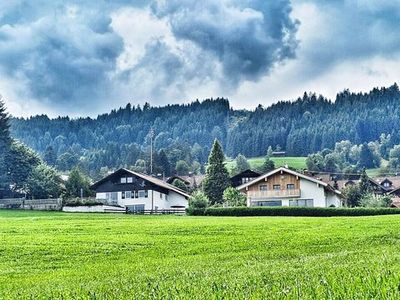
{"type": "Point", "coordinates": [137, 192]}
{"type": "Point", "coordinates": [285, 187]}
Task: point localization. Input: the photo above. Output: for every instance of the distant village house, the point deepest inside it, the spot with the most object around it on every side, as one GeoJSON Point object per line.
{"type": "Point", "coordinates": [285, 187]}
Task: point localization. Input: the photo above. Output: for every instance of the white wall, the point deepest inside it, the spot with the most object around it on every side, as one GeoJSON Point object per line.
{"type": "Point", "coordinates": [94, 209]}
{"type": "Point", "coordinates": [310, 190]}
{"type": "Point", "coordinates": [164, 202]}
{"type": "Point", "coordinates": [333, 198]}
{"type": "Point", "coordinates": [176, 199]}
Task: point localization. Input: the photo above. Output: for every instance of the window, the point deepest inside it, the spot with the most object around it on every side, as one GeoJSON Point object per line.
{"type": "Point", "coordinates": [114, 197]}
{"type": "Point", "coordinates": [128, 194]}
{"type": "Point", "coordinates": [123, 195]}
{"type": "Point", "coordinates": [136, 194]}
{"type": "Point", "coordinates": [386, 184]}
{"type": "Point", "coordinates": [245, 179]}
{"type": "Point", "coordinates": [263, 187]}
{"type": "Point", "coordinates": [123, 179]}
{"type": "Point", "coordinates": [142, 194]}
{"type": "Point", "coordinates": [139, 208]}
{"type": "Point", "coordinates": [129, 180]}
{"type": "Point", "coordinates": [290, 186]}
{"type": "Point", "coordinates": [302, 202]}
{"type": "Point", "coordinates": [269, 203]}
{"type": "Point", "coordinates": [146, 193]}
{"type": "Point", "coordinates": [277, 187]}
{"type": "Point", "coordinates": [160, 195]}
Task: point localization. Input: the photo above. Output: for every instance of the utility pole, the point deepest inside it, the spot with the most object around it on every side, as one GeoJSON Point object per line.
{"type": "Point", "coordinates": [151, 150]}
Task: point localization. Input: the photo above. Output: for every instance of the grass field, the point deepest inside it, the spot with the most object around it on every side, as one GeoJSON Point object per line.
{"type": "Point", "coordinates": [293, 162]}
{"type": "Point", "coordinates": [82, 256]}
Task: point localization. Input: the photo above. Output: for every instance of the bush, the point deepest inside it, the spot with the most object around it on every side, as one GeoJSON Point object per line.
{"type": "Point", "coordinates": [198, 200]}
{"type": "Point", "coordinates": [371, 200]}
{"type": "Point", "coordinates": [195, 211]}
{"type": "Point", "coordinates": [83, 202]}
{"type": "Point", "coordinates": [294, 211]}
{"type": "Point", "coordinates": [233, 198]}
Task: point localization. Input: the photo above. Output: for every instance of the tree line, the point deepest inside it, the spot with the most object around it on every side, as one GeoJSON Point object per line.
{"type": "Point", "coordinates": [23, 173]}
{"type": "Point", "coordinates": [184, 133]}
{"type": "Point", "coordinates": [348, 159]}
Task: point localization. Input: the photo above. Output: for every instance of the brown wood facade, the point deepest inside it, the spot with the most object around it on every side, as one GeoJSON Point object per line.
{"type": "Point", "coordinates": [282, 179]}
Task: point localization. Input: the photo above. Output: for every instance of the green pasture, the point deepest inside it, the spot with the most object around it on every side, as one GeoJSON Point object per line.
{"type": "Point", "coordinates": [50, 255]}
{"type": "Point", "coordinates": [293, 162]}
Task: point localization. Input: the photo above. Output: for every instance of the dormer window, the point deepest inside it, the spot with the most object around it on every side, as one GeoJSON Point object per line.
{"type": "Point", "coordinates": [245, 179]}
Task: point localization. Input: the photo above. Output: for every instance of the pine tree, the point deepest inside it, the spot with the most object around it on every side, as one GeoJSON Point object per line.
{"type": "Point", "coordinates": [163, 163]}
{"type": "Point", "coordinates": [76, 183]}
{"type": "Point", "coordinates": [365, 186]}
{"type": "Point", "coordinates": [241, 164]}
{"type": "Point", "coordinates": [50, 156]}
{"type": "Point", "coordinates": [366, 157]}
{"type": "Point", "coordinates": [270, 151]}
{"type": "Point", "coordinates": [5, 142]}
{"type": "Point", "coordinates": [217, 176]}
{"type": "Point", "coordinates": [268, 165]}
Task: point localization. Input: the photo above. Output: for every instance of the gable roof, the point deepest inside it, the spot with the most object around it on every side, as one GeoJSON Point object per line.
{"type": "Point", "coordinates": [283, 169]}
{"type": "Point", "coordinates": [145, 177]}
{"type": "Point", "coordinates": [171, 179]}
{"type": "Point", "coordinates": [246, 173]}
{"type": "Point", "coordinates": [385, 180]}
{"type": "Point", "coordinates": [345, 182]}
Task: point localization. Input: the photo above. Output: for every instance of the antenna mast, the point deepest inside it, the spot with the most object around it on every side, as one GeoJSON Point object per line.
{"type": "Point", "coordinates": [151, 150]}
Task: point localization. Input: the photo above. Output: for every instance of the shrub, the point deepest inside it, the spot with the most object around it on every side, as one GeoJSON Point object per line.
{"type": "Point", "coordinates": [195, 211]}
{"type": "Point", "coordinates": [370, 200]}
{"type": "Point", "coordinates": [295, 211]}
{"type": "Point", "coordinates": [198, 200]}
{"type": "Point", "coordinates": [233, 198]}
{"type": "Point", "coordinates": [81, 202]}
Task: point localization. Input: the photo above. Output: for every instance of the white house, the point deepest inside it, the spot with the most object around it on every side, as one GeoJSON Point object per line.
{"type": "Point", "coordinates": [285, 187]}
{"type": "Point", "coordinates": [138, 192]}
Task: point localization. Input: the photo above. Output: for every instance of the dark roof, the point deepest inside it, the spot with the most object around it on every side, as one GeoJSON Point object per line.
{"type": "Point", "coordinates": [386, 180]}
{"type": "Point", "coordinates": [171, 179]}
{"type": "Point", "coordinates": [145, 177]}
{"type": "Point", "coordinates": [246, 173]}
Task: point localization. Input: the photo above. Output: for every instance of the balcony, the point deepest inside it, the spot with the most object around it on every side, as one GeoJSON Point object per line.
{"type": "Point", "coordinates": [274, 194]}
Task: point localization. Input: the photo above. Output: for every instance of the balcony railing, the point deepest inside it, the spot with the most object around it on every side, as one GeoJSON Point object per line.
{"type": "Point", "coordinates": [274, 193]}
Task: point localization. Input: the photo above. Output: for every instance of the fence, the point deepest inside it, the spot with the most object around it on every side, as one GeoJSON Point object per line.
{"type": "Point", "coordinates": [33, 204]}
{"type": "Point", "coordinates": [159, 211]}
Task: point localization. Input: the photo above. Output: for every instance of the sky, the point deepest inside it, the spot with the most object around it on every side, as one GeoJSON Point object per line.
{"type": "Point", "coordinates": [82, 58]}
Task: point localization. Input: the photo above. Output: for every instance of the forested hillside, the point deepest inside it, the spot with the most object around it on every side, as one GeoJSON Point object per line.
{"type": "Point", "coordinates": [184, 133]}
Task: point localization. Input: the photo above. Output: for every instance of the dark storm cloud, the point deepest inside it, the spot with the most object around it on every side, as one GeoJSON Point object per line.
{"type": "Point", "coordinates": [63, 54]}
{"type": "Point", "coordinates": [247, 37]}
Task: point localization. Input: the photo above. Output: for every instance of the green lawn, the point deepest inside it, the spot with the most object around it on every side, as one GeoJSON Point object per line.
{"type": "Point", "coordinates": [97, 256]}
{"type": "Point", "coordinates": [293, 162]}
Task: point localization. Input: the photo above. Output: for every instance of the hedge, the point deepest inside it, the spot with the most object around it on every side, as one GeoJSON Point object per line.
{"type": "Point", "coordinates": [74, 203]}
{"type": "Point", "coordinates": [291, 211]}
